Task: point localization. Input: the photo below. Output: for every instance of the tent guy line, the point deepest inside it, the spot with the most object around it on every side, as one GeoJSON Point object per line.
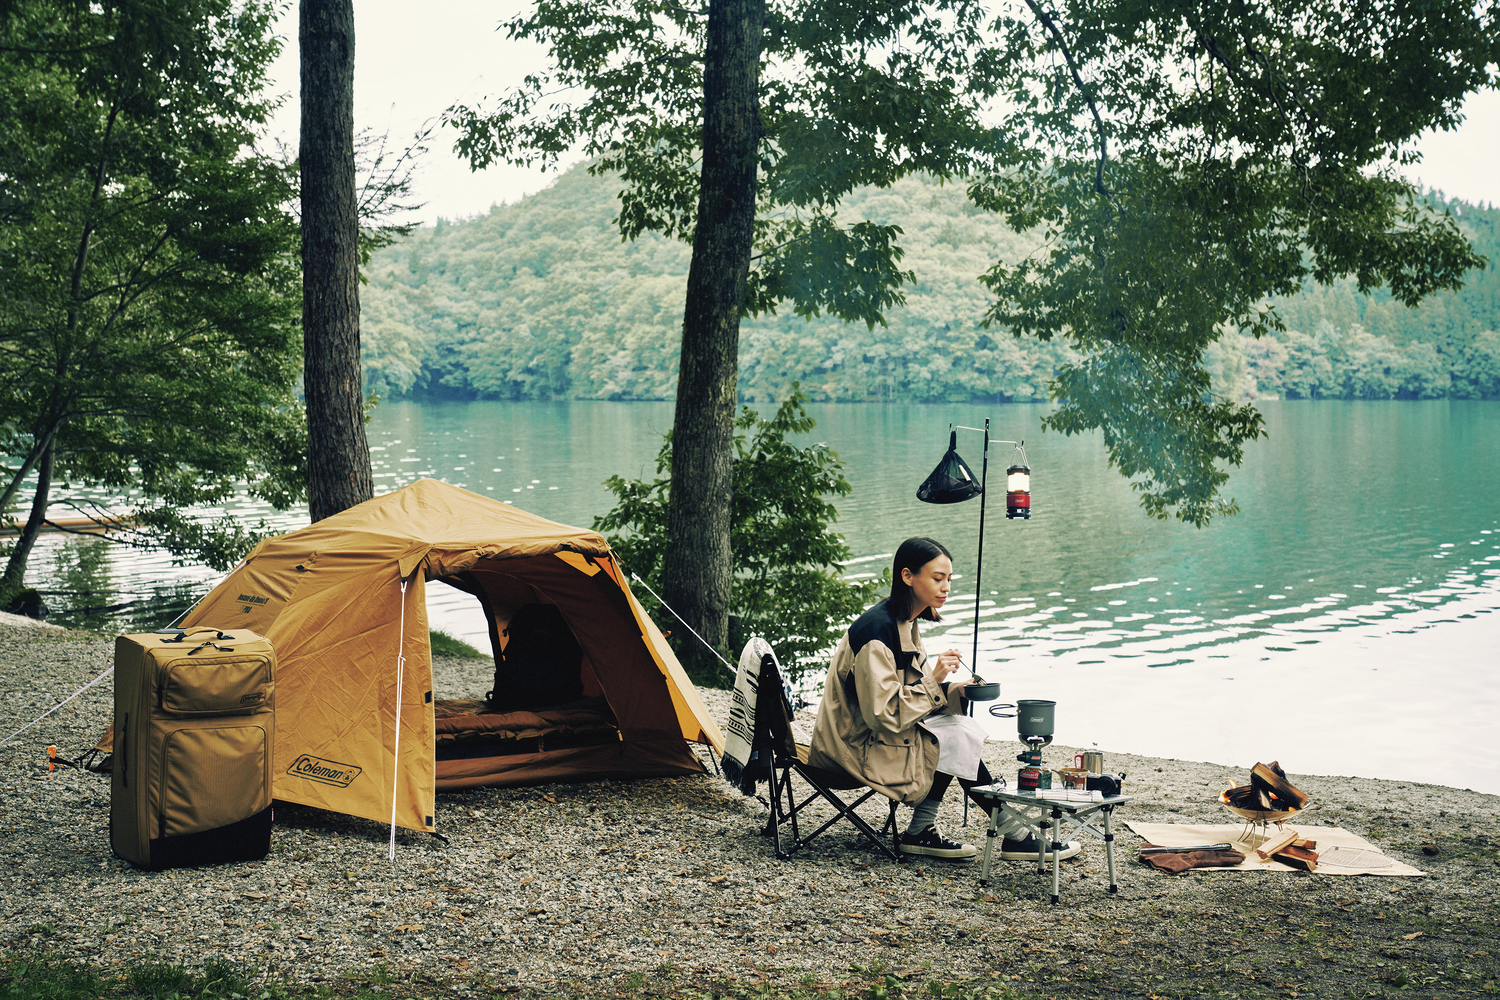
{"type": "Point", "coordinates": [636, 577]}
{"type": "Point", "coordinates": [54, 708]}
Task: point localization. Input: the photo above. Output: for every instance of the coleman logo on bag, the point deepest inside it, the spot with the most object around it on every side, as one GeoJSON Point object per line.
{"type": "Point", "coordinates": [328, 772]}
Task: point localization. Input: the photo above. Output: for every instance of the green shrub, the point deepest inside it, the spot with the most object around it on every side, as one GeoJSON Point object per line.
{"type": "Point", "coordinates": [787, 583]}
{"type": "Point", "coordinates": [444, 644]}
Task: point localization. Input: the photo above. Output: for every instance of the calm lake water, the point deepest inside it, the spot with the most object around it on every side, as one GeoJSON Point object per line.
{"type": "Point", "coordinates": [1344, 622]}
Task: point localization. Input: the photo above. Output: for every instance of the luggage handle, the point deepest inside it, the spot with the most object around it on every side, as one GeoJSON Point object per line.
{"type": "Point", "coordinates": [202, 628]}
{"type": "Point", "coordinates": [209, 642]}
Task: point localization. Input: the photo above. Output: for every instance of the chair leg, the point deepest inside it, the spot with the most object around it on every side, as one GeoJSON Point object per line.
{"type": "Point", "coordinates": [785, 812]}
{"type": "Point", "coordinates": [895, 831]}
{"type": "Point", "coordinates": [847, 811]}
{"type": "Point", "coordinates": [775, 819]}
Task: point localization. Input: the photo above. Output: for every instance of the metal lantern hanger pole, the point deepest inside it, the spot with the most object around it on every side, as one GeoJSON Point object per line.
{"type": "Point", "coordinates": [979, 568]}
{"type": "Point", "coordinates": [984, 475]}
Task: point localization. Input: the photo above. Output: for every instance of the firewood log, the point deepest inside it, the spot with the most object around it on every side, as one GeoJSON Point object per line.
{"type": "Point", "coordinates": [1298, 857]}
{"type": "Point", "coordinates": [1276, 843]}
{"type": "Point", "coordinates": [1270, 782]}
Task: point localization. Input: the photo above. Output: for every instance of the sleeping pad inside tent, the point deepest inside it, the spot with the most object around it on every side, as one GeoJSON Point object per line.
{"type": "Point", "coordinates": [357, 723]}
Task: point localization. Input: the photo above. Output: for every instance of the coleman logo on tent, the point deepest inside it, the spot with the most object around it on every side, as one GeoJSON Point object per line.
{"type": "Point", "coordinates": [328, 772]}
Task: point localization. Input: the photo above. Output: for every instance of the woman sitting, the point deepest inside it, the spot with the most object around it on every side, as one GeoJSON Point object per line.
{"type": "Point", "coordinates": [891, 717]}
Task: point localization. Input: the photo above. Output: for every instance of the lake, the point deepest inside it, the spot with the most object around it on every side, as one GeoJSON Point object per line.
{"type": "Point", "coordinates": [1342, 622]}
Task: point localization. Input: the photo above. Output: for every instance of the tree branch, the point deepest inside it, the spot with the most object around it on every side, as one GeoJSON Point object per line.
{"type": "Point", "coordinates": [1050, 23]}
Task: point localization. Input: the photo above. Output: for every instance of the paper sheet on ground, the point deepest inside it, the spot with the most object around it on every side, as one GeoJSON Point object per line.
{"type": "Point", "coordinates": [1327, 837]}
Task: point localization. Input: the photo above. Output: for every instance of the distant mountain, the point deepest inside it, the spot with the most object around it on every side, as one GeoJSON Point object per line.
{"type": "Point", "coordinates": [542, 300]}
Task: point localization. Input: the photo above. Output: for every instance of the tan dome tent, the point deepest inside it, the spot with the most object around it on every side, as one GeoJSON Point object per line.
{"type": "Point", "coordinates": [336, 598]}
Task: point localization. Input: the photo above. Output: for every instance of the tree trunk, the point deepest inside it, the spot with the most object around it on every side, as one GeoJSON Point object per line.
{"type": "Point", "coordinates": [14, 578]}
{"type": "Point", "coordinates": [698, 570]}
{"type": "Point", "coordinates": [338, 456]}
{"type": "Point", "coordinates": [39, 445]}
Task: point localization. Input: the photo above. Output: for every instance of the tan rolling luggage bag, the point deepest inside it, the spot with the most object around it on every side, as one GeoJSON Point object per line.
{"type": "Point", "coordinates": [194, 727]}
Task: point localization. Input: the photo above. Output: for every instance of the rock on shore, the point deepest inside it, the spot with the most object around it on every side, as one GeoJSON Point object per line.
{"type": "Point", "coordinates": [574, 887]}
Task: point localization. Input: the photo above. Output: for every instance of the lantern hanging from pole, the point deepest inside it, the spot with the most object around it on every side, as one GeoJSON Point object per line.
{"type": "Point", "coordinates": [1018, 486]}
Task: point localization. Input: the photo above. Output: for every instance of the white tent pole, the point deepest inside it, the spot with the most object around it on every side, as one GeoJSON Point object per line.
{"type": "Point", "coordinates": [396, 751]}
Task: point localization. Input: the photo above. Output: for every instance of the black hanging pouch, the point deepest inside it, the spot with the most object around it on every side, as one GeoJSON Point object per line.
{"type": "Point", "coordinates": [542, 664]}
{"type": "Point", "coordinates": [952, 481]}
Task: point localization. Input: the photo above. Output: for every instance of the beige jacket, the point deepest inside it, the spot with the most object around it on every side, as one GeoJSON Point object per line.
{"type": "Point", "coordinates": [875, 695]}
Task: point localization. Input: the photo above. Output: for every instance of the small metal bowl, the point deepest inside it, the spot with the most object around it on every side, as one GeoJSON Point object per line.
{"type": "Point", "coordinates": [987, 691]}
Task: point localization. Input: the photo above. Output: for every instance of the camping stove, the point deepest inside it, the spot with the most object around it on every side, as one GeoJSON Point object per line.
{"type": "Point", "coordinates": [1035, 720]}
{"type": "Point", "coordinates": [1033, 774]}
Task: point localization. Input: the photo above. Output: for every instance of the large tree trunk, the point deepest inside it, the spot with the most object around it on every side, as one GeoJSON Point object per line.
{"type": "Point", "coordinates": [697, 572]}
{"type": "Point", "coordinates": [14, 578]}
{"type": "Point", "coordinates": [338, 456]}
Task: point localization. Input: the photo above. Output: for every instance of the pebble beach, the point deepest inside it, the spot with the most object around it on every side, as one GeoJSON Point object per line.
{"type": "Point", "coordinates": [578, 888]}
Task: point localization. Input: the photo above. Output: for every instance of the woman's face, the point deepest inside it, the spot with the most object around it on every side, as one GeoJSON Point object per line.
{"type": "Point", "coordinates": [929, 585]}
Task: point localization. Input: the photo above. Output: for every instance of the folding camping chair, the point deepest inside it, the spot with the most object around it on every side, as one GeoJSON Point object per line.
{"type": "Point", "coordinates": [774, 739]}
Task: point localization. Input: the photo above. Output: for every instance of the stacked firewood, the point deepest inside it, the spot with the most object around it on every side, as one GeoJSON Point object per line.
{"type": "Point", "coordinates": [1268, 790]}
{"type": "Point", "coordinates": [1289, 847]}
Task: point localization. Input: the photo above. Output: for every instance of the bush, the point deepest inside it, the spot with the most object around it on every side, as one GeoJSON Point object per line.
{"type": "Point", "coordinates": [443, 644]}
{"type": "Point", "coordinates": [787, 584]}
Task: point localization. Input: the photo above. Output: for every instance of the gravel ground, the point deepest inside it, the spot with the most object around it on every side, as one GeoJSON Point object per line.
{"type": "Point", "coordinates": [658, 884]}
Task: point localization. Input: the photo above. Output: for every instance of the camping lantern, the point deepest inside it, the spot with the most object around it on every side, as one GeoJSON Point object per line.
{"type": "Point", "coordinates": [1018, 490]}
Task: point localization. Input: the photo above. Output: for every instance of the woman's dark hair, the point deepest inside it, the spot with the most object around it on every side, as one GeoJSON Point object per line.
{"type": "Point", "coordinates": [913, 554]}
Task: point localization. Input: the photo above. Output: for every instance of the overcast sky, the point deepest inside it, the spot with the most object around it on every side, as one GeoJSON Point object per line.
{"type": "Point", "coordinates": [412, 61]}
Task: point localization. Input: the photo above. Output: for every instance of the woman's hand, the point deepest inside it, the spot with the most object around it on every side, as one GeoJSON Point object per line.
{"type": "Point", "coordinates": [948, 661]}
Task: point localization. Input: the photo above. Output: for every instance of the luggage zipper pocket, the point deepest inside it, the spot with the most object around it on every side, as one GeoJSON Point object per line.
{"type": "Point", "coordinates": [217, 686]}
{"type": "Point", "coordinates": [211, 776]}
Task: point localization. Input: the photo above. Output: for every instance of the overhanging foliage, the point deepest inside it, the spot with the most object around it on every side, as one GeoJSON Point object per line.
{"type": "Point", "coordinates": [148, 335]}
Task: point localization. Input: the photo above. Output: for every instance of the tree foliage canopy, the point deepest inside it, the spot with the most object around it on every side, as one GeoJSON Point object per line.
{"type": "Point", "coordinates": [1178, 163]}
{"type": "Point", "coordinates": [1185, 162]}
{"type": "Point", "coordinates": [851, 95]}
{"type": "Point", "coordinates": [541, 300]}
{"type": "Point", "coordinates": [148, 277]}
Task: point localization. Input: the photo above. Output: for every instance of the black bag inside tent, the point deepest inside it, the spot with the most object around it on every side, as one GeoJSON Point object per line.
{"type": "Point", "coordinates": [952, 481]}
{"type": "Point", "coordinates": [542, 662]}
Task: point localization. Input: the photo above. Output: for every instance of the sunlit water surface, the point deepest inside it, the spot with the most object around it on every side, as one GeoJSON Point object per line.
{"type": "Point", "coordinates": [1344, 622]}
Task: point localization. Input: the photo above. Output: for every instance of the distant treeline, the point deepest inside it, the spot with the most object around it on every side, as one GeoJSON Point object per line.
{"type": "Point", "coordinates": [542, 300]}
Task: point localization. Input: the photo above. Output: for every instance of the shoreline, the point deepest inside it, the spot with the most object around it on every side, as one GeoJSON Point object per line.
{"type": "Point", "coordinates": [1256, 699]}
{"type": "Point", "coordinates": [573, 888]}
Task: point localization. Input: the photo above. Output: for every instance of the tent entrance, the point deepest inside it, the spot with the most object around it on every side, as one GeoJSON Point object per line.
{"type": "Point", "coordinates": [619, 725]}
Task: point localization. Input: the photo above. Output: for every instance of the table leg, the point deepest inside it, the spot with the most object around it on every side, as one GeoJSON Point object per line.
{"type": "Point", "coordinates": [1109, 846]}
{"type": "Point", "coordinates": [1056, 851]}
{"type": "Point", "coordinates": [989, 843]}
{"type": "Point", "coordinates": [1042, 835]}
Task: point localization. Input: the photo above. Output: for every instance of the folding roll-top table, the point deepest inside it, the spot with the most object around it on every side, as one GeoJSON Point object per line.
{"type": "Point", "coordinates": [1051, 815]}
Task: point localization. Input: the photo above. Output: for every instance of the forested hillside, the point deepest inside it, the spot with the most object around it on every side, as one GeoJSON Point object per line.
{"type": "Point", "coordinates": [542, 300]}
